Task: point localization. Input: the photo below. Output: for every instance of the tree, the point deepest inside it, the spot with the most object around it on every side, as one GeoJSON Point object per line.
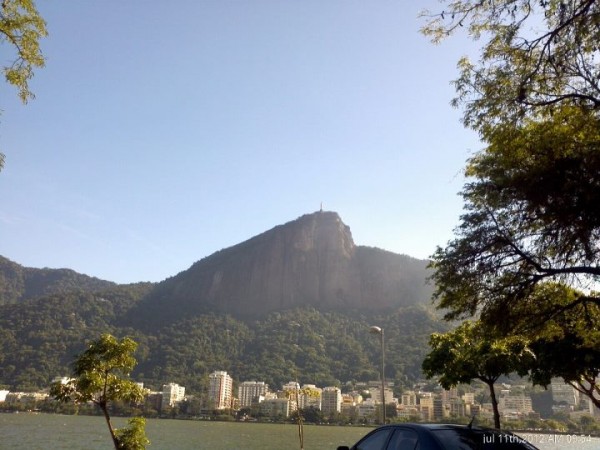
{"type": "Point", "coordinates": [567, 345]}
{"type": "Point", "coordinates": [99, 376]}
{"type": "Point", "coordinates": [471, 352]}
{"type": "Point", "coordinates": [22, 27]}
{"type": "Point", "coordinates": [531, 216]}
{"type": "Point", "coordinates": [536, 55]}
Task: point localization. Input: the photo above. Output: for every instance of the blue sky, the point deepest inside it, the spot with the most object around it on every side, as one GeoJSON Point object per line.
{"type": "Point", "coordinates": [162, 132]}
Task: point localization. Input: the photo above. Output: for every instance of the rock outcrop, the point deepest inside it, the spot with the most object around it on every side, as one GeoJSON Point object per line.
{"type": "Point", "coordinates": [311, 261]}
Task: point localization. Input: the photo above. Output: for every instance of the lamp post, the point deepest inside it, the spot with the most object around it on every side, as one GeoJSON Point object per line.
{"type": "Point", "coordinates": [379, 331]}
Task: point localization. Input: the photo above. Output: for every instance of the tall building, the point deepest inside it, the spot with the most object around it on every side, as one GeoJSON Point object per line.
{"type": "Point", "coordinates": [515, 404]}
{"type": "Point", "coordinates": [310, 396]}
{"type": "Point", "coordinates": [172, 394]}
{"type": "Point", "coordinates": [409, 398]}
{"type": "Point", "coordinates": [331, 400]}
{"type": "Point", "coordinates": [220, 389]}
{"type": "Point", "coordinates": [249, 390]}
{"type": "Point", "coordinates": [388, 395]}
{"type": "Point", "coordinates": [425, 405]}
{"type": "Point", "coordinates": [564, 393]}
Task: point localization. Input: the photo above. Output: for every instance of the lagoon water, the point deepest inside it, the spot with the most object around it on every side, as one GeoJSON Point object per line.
{"type": "Point", "coordinates": [58, 432]}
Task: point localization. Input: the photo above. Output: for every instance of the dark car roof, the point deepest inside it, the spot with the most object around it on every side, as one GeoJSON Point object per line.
{"type": "Point", "coordinates": [425, 429]}
{"type": "Point", "coordinates": [443, 426]}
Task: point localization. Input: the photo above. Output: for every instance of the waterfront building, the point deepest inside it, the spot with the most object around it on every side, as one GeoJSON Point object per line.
{"type": "Point", "coordinates": [426, 406]}
{"type": "Point", "coordinates": [389, 395]}
{"type": "Point", "coordinates": [469, 398]}
{"type": "Point", "coordinates": [563, 393]}
{"type": "Point", "coordinates": [220, 389]}
{"type": "Point", "coordinates": [331, 400]}
{"type": "Point", "coordinates": [367, 409]}
{"type": "Point", "coordinates": [291, 386]}
{"type": "Point", "coordinates": [440, 410]}
{"type": "Point", "coordinates": [515, 404]}
{"type": "Point", "coordinates": [310, 396]}
{"type": "Point", "coordinates": [171, 394]}
{"type": "Point", "coordinates": [276, 407]}
{"type": "Point", "coordinates": [408, 398]}
{"type": "Point", "coordinates": [249, 390]}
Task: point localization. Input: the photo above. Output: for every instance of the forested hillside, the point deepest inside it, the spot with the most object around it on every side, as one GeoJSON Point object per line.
{"type": "Point", "coordinates": [294, 301]}
{"type": "Point", "coordinates": [39, 339]}
{"type": "Point", "coordinates": [19, 283]}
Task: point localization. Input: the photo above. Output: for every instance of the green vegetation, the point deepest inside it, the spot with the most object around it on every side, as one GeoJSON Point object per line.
{"type": "Point", "coordinates": [471, 352]}
{"type": "Point", "coordinates": [22, 27]}
{"type": "Point", "coordinates": [525, 255]}
{"type": "Point", "coordinates": [536, 55]}
{"type": "Point", "coordinates": [38, 339]}
{"type": "Point", "coordinates": [18, 283]}
{"type": "Point", "coordinates": [100, 376]}
{"type": "Point", "coordinates": [46, 315]}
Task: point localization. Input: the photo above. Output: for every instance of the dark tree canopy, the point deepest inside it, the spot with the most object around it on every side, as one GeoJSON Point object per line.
{"type": "Point", "coordinates": [532, 215]}
{"type": "Point", "coordinates": [472, 352]}
{"type": "Point", "coordinates": [525, 256]}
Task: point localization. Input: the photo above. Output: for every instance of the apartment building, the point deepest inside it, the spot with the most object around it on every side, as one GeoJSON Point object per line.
{"type": "Point", "coordinates": [171, 394]}
{"type": "Point", "coordinates": [331, 400]}
{"type": "Point", "coordinates": [249, 390]}
{"type": "Point", "coordinates": [220, 389]}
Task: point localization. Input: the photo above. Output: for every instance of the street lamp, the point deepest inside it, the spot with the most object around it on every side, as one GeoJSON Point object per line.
{"type": "Point", "coordinates": [379, 331]}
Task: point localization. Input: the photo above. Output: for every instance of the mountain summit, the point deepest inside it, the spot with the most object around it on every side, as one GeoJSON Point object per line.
{"type": "Point", "coordinates": [310, 261]}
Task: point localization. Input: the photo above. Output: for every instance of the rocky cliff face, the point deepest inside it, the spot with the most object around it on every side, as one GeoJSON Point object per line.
{"type": "Point", "coordinates": [310, 261]}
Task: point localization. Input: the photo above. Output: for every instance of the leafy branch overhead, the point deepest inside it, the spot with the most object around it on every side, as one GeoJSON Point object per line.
{"type": "Point", "coordinates": [22, 27]}
{"type": "Point", "coordinates": [531, 216]}
{"type": "Point", "coordinates": [536, 54]}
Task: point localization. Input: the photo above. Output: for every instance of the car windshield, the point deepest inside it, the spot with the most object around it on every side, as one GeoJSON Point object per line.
{"type": "Point", "coordinates": [466, 439]}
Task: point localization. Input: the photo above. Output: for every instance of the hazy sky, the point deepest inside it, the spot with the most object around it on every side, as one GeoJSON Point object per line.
{"type": "Point", "coordinates": [164, 131]}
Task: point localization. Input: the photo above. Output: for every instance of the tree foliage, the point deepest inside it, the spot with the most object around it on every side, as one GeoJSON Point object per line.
{"type": "Point", "coordinates": [566, 343]}
{"type": "Point", "coordinates": [530, 233]}
{"type": "Point", "coordinates": [100, 375]}
{"type": "Point", "coordinates": [22, 27]}
{"type": "Point", "coordinates": [471, 352]}
{"type": "Point", "coordinates": [535, 55]}
{"type": "Point", "coordinates": [531, 216]}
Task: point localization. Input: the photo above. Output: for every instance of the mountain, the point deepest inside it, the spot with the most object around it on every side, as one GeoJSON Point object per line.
{"type": "Point", "coordinates": [311, 261]}
{"type": "Point", "coordinates": [295, 301]}
{"type": "Point", "coordinates": [18, 283]}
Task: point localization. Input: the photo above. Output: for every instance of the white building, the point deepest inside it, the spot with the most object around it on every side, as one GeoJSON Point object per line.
{"type": "Point", "coordinates": [310, 396]}
{"type": "Point", "coordinates": [331, 400]}
{"type": "Point", "coordinates": [172, 394]}
{"type": "Point", "coordinates": [220, 389]}
{"type": "Point", "coordinates": [276, 407]}
{"type": "Point", "coordinates": [515, 404]}
{"type": "Point", "coordinates": [249, 390]}
{"type": "Point", "coordinates": [3, 395]}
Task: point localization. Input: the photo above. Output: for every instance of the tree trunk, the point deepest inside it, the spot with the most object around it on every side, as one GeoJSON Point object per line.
{"type": "Point", "coordinates": [494, 404]}
{"type": "Point", "coordinates": [104, 408]}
